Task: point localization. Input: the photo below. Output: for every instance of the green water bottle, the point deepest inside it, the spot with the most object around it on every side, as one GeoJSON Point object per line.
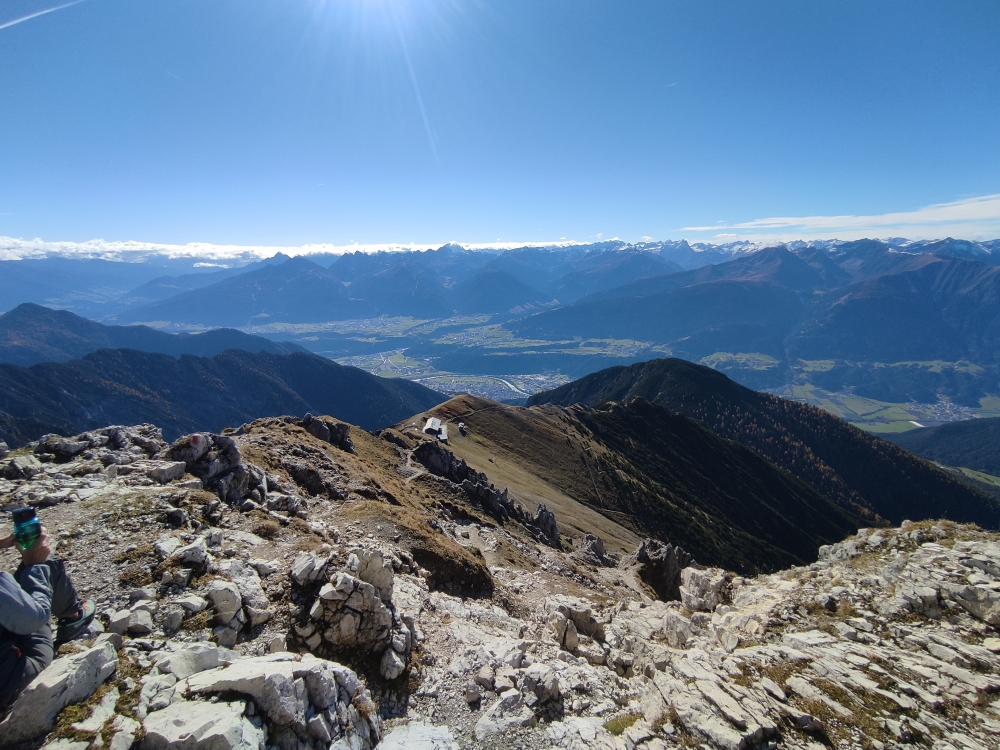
{"type": "Point", "coordinates": [27, 527]}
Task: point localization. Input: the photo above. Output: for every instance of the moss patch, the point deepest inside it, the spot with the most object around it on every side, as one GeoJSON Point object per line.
{"type": "Point", "coordinates": [618, 726]}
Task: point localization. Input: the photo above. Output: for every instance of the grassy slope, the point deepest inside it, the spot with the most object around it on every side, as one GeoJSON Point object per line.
{"type": "Point", "coordinates": [653, 473]}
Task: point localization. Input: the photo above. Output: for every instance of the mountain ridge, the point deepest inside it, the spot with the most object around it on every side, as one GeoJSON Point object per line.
{"type": "Point", "coordinates": [31, 333]}
{"type": "Point", "coordinates": [844, 463]}
{"type": "Point", "coordinates": [973, 444]}
{"type": "Point", "coordinates": [655, 472]}
{"type": "Point", "coordinates": [189, 394]}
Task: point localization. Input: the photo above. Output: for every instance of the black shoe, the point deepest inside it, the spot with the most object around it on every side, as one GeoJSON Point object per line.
{"type": "Point", "coordinates": [72, 628]}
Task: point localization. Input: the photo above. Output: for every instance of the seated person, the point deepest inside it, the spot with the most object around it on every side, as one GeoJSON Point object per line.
{"type": "Point", "coordinates": [38, 590]}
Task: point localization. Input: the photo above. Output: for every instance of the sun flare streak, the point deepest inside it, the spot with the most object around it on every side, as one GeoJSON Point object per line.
{"type": "Point", "coordinates": [416, 87]}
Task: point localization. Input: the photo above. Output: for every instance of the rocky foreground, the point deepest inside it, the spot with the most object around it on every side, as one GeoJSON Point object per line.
{"type": "Point", "coordinates": [295, 584]}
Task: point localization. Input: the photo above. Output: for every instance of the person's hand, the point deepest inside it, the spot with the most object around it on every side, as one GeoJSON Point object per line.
{"type": "Point", "coordinates": [8, 542]}
{"type": "Point", "coordinates": [38, 552]}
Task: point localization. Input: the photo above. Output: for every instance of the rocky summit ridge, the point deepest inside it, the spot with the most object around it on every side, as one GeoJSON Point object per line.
{"type": "Point", "coordinates": [296, 583]}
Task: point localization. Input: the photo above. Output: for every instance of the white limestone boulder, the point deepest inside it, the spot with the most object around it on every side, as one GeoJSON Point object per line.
{"type": "Point", "coordinates": [68, 680]}
{"type": "Point", "coordinates": [195, 725]}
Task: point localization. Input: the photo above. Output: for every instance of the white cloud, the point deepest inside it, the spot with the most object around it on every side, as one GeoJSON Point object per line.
{"type": "Point", "coordinates": [972, 219]}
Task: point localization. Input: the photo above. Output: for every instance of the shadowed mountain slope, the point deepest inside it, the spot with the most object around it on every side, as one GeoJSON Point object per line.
{"type": "Point", "coordinates": [853, 468]}
{"type": "Point", "coordinates": [403, 289]}
{"type": "Point", "coordinates": [123, 386]}
{"type": "Point", "coordinates": [945, 310]}
{"type": "Point", "coordinates": [973, 443]}
{"type": "Point", "coordinates": [30, 334]}
{"type": "Point", "coordinates": [656, 473]}
{"type": "Point", "coordinates": [495, 291]}
{"type": "Point", "coordinates": [620, 268]}
{"type": "Point", "coordinates": [700, 319]}
{"type": "Point", "coordinates": [296, 290]}
{"type": "Point", "coordinates": [164, 287]}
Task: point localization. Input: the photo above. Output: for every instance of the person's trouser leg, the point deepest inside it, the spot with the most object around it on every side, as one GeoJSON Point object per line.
{"type": "Point", "coordinates": [37, 651]}
{"type": "Point", "coordinates": [65, 601]}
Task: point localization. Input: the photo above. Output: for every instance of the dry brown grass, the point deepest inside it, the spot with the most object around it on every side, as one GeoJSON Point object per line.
{"type": "Point", "coordinates": [266, 528]}
{"type": "Point", "coordinates": [135, 576]}
{"type": "Point", "coordinates": [781, 672]}
{"type": "Point", "coordinates": [199, 621]}
{"type": "Point", "coordinates": [141, 552]}
{"type": "Point", "coordinates": [533, 461]}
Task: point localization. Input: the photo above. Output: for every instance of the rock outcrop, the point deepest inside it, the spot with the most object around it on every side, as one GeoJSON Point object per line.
{"type": "Point", "coordinates": [217, 462]}
{"type": "Point", "coordinates": [353, 610]}
{"type": "Point", "coordinates": [330, 431]}
{"type": "Point", "coordinates": [441, 462]}
{"type": "Point", "coordinates": [593, 552]}
{"type": "Point", "coordinates": [65, 682]}
{"type": "Point", "coordinates": [659, 565]}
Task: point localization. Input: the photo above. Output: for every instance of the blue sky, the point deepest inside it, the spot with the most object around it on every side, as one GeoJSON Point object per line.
{"type": "Point", "coordinates": [287, 122]}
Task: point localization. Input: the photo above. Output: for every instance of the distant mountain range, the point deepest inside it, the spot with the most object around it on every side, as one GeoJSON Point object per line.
{"type": "Point", "coordinates": [892, 325]}
{"type": "Point", "coordinates": [656, 473]}
{"type": "Point", "coordinates": [30, 334]}
{"type": "Point", "coordinates": [857, 470]}
{"type": "Point", "coordinates": [432, 284]}
{"type": "Point", "coordinates": [895, 321]}
{"type": "Point", "coordinates": [188, 394]}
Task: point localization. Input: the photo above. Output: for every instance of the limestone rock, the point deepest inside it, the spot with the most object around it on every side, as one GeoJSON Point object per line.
{"type": "Point", "coordinates": [123, 733]}
{"type": "Point", "coordinates": [441, 462]}
{"type": "Point", "coordinates": [226, 600]}
{"type": "Point", "coordinates": [22, 467]}
{"type": "Point", "coordinates": [62, 448]}
{"type": "Point", "coordinates": [308, 567]}
{"type": "Point", "coordinates": [162, 471]}
{"type": "Point", "coordinates": [508, 712]}
{"type": "Point", "coordinates": [592, 552]}
{"type": "Point", "coordinates": [577, 611]}
{"type": "Point", "coordinates": [419, 736]}
{"type": "Point", "coordinates": [68, 680]}
{"type": "Point", "coordinates": [353, 615]}
{"type": "Point", "coordinates": [191, 659]}
{"type": "Point", "coordinates": [330, 431]}
{"type": "Point", "coordinates": [659, 565]}
{"type": "Point", "coordinates": [140, 622]}
{"type": "Point", "coordinates": [195, 554]}
{"type": "Point", "coordinates": [100, 713]}
{"type": "Point", "coordinates": [273, 685]}
{"type": "Point", "coordinates": [254, 600]}
{"type": "Point", "coordinates": [678, 629]}
{"type": "Point", "coordinates": [539, 684]}
{"type": "Point", "coordinates": [545, 522]}
{"type": "Point", "coordinates": [217, 462]}
{"type": "Point", "coordinates": [287, 689]}
{"type": "Point", "coordinates": [191, 603]}
{"type": "Point", "coordinates": [191, 725]}
{"type": "Point", "coordinates": [393, 665]}
{"type": "Point", "coordinates": [372, 567]}
{"type": "Point", "coordinates": [701, 589]}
